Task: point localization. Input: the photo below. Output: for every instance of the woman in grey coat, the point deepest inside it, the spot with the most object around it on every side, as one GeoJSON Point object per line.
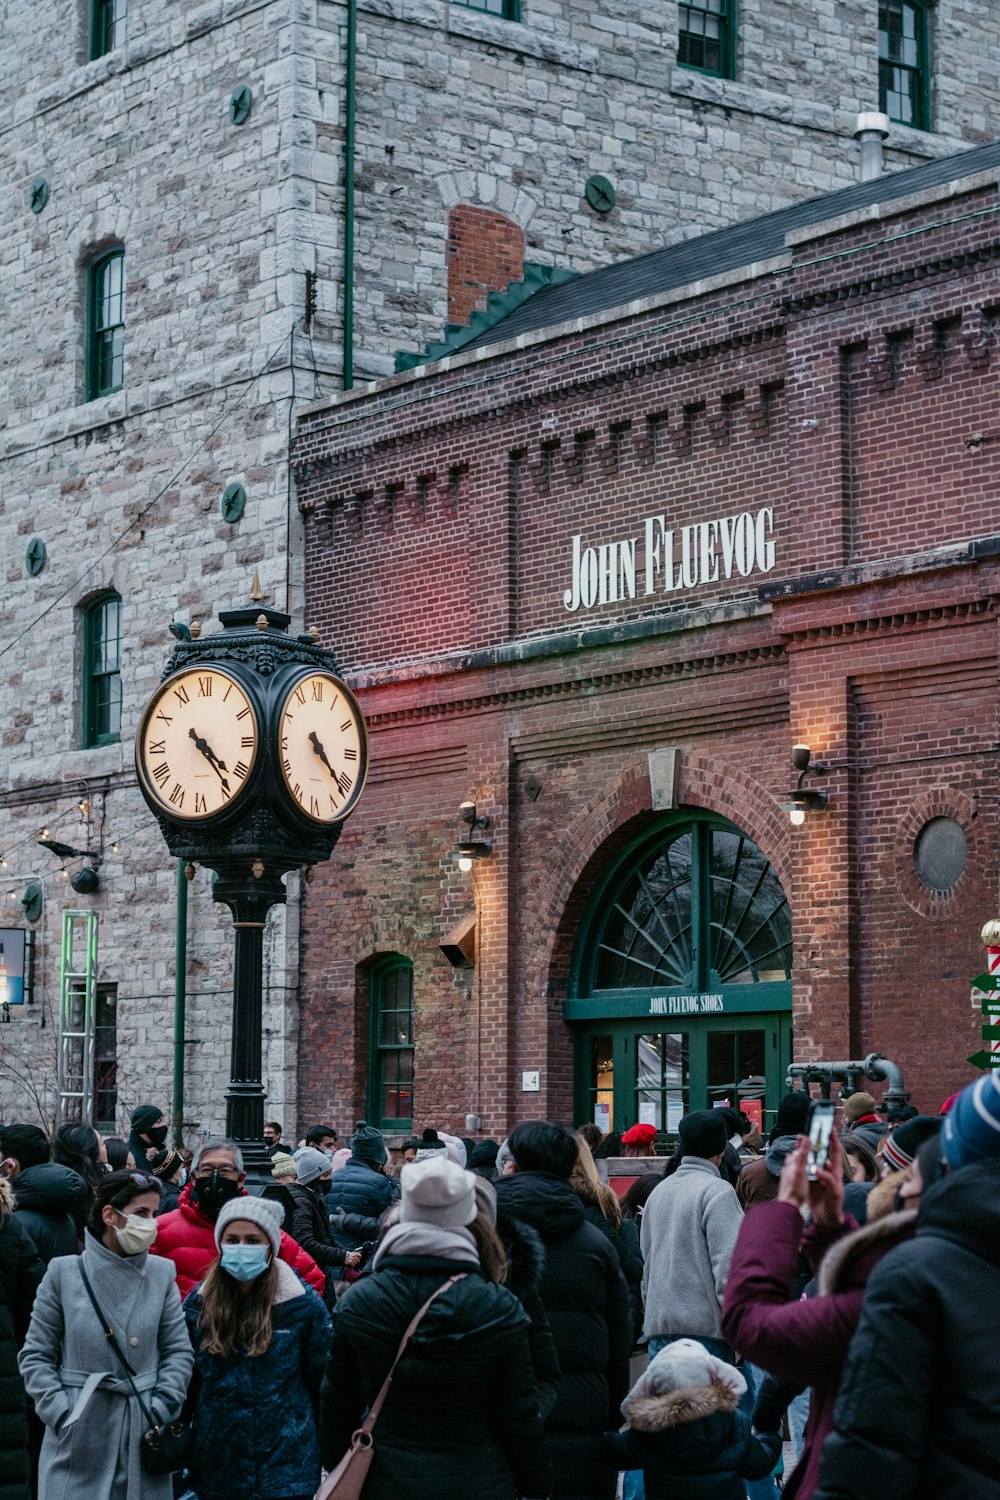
{"type": "Point", "coordinates": [94, 1424]}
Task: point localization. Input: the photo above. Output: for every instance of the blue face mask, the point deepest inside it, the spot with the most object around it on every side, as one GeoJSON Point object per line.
{"type": "Point", "coordinates": [245, 1262]}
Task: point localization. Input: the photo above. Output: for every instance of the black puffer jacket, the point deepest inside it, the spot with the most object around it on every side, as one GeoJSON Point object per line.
{"type": "Point", "coordinates": [357, 1188]}
{"type": "Point", "coordinates": [692, 1445]}
{"type": "Point", "coordinates": [45, 1200]}
{"type": "Point", "coordinates": [310, 1227]}
{"type": "Point", "coordinates": [21, 1270]}
{"type": "Point", "coordinates": [525, 1267]}
{"type": "Point", "coordinates": [625, 1238]}
{"type": "Point", "coordinates": [918, 1416]}
{"type": "Point", "coordinates": [586, 1300]}
{"type": "Point", "coordinates": [461, 1418]}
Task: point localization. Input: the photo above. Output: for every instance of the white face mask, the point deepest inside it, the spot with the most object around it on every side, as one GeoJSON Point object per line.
{"type": "Point", "coordinates": [137, 1235]}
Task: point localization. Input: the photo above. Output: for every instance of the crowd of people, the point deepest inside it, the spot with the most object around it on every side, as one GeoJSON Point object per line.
{"type": "Point", "coordinates": [518, 1328]}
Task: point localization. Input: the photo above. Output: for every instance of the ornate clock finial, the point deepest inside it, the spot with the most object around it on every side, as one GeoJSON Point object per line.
{"type": "Point", "coordinates": [262, 623]}
{"type": "Point", "coordinates": [195, 629]}
{"type": "Point", "coordinates": [257, 595]}
{"type": "Point", "coordinates": [314, 633]}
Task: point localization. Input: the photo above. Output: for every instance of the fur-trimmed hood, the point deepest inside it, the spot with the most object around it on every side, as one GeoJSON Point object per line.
{"type": "Point", "coordinates": [690, 1404]}
{"type": "Point", "coordinates": [848, 1262]}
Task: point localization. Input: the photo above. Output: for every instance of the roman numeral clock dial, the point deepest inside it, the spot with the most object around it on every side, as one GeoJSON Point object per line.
{"type": "Point", "coordinates": [322, 747]}
{"type": "Point", "coordinates": [197, 744]}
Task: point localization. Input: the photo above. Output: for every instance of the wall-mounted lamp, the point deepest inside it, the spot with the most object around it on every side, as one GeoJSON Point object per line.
{"type": "Point", "coordinates": [471, 848]}
{"type": "Point", "coordinates": [799, 802]}
{"type": "Point", "coordinates": [84, 881]}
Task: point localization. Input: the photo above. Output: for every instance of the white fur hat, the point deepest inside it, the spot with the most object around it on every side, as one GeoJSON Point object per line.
{"type": "Point", "coordinates": [685, 1365]}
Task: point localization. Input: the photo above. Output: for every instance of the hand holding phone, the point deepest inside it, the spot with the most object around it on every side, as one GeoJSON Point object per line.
{"type": "Point", "coordinates": [821, 1118]}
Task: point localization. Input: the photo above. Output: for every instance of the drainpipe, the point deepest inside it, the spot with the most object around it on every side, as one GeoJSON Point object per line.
{"type": "Point", "coordinates": [875, 1066]}
{"type": "Point", "coordinates": [870, 130]}
{"type": "Point", "coordinates": [350, 106]}
{"type": "Point", "coordinates": [180, 1003]}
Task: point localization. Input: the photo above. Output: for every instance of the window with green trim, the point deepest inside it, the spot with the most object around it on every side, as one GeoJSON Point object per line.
{"type": "Point", "coordinates": [102, 711]}
{"type": "Point", "coordinates": [106, 324]}
{"type": "Point", "coordinates": [903, 72]}
{"type": "Point", "coordinates": [509, 10]}
{"type": "Point", "coordinates": [107, 26]}
{"type": "Point", "coordinates": [390, 1070]}
{"type": "Point", "coordinates": [706, 37]}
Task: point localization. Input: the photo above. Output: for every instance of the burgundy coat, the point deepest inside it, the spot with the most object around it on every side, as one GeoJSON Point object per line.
{"type": "Point", "coordinates": [804, 1341]}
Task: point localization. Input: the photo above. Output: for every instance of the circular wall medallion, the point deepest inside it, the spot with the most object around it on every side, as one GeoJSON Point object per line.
{"type": "Point", "coordinates": [34, 556]}
{"type": "Point", "coordinates": [940, 853]}
{"type": "Point", "coordinates": [32, 899]}
{"type": "Point", "coordinates": [599, 193]}
{"type": "Point", "coordinates": [39, 195]}
{"type": "Point", "coordinates": [234, 499]}
{"type": "Point", "coordinates": [240, 103]}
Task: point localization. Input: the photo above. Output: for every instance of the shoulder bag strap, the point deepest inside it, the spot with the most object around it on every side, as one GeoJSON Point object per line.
{"type": "Point", "coordinates": [376, 1405]}
{"type": "Point", "coordinates": [109, 1334]}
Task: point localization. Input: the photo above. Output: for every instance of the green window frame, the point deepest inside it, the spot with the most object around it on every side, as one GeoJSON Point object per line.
{"type": "Point", "coordinates": [102, 687]}
{"type": "Point", "coordinates": [507, 10]}
{"type": "Point", "coordinates": [106, 324]}
{"type": "Point", "coordinates": [107, 26]}
{"type": "Point", "coordinates": [706, 37]}
{"type": "Point", "coordinates": [903, 63]}
{"type": "Point", "coordinates": [390, 1046]}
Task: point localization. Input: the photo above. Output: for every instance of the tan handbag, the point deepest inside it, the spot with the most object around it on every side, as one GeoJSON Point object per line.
{"type": "Point", "coordinates": [347, 1480]}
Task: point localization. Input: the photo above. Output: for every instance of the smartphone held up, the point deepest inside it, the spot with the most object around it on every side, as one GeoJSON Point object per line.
{"type": "Point", "coordinates": [821, 1118]}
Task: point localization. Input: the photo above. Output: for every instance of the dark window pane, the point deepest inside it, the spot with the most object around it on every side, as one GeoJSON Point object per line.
{"type": "Point", "coordinates": [104, 685]}
{"type": "Point", "coordinates": [661, 1072]}
{"type": "Point", "coordinates": [107, 330]}
{"type": "Point", "coordinates": [392, 1074]}
{"type": "Point", "coordinates": [703, 36]}
{"type": "Point", "coordinates": [902, 49]}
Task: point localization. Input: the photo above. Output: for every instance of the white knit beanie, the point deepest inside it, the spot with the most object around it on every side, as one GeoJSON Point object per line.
{"type": "Point", "coordinates": [438, 1192]}
{"type": "Point", "coordinates": [264, 1212]}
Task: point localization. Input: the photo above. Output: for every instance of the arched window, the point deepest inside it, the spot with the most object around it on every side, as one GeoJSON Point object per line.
{"type": "Point", "coordinates": [107, 26]}
{"type": "Point", "coordinates": [390, 1053]}
{"type": "Point", "coordinates": [102, 684]}
{"type": "Point", "coordinates": [106, 324]}
{"type": "Point", "coordinates": [903, 67]}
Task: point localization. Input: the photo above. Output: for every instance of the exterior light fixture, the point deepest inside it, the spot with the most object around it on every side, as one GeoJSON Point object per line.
{"type": "Point", "coordinates": [472, 848]}
{"type": "Point", "coordinates": [800, 802]}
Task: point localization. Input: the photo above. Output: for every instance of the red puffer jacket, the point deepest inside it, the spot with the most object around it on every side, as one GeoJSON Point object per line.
{"type": "Point", "coordinates": [187, 1237]}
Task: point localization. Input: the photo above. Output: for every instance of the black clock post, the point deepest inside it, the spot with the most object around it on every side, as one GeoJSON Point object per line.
{"type": "Point", "coordinates": [262, 831]}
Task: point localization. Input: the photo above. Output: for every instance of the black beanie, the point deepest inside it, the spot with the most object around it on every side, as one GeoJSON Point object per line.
{"type": "Point", "coordinates": [793, 1113]}
{"type": "Point", "coordinates": [484, 1154]}
{"type": "Point", "coordinates": [368, 1144]}
{"type": "Point", "coordinates": [145, 1115]}
{"type": "Point", "coordinates": [903, 1143]}
{"type": "Point", "coordinates": [703, 1133]}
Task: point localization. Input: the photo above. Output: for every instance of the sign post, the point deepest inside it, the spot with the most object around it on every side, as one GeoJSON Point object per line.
{"type": "Point", "coordinates": [986, 989]}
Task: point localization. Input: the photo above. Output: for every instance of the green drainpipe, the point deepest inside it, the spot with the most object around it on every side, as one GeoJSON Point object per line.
{"type": "Point", "coordinates": [350, 104]}
{"type": "Point", "coordinates": [180, 1002]}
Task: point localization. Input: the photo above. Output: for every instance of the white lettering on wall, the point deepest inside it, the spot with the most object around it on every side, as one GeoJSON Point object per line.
{"type": "Point", "coordinates": [676, 558]}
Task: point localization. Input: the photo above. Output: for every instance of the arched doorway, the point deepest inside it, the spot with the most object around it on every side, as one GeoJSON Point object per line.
{"type": "Point", "coordinates": [680, 990]}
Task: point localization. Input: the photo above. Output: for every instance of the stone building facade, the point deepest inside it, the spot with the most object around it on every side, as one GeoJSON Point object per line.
{"type": "Point", "coordinates": [599, 580]}
{"type": "Point", "coordinates": [209, 146]}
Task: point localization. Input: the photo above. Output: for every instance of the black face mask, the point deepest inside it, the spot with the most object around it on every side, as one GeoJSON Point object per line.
{"type": "Point", "coordinates": [210, 1193]}
{"type": "Point", "coordinates": [158, 1135]}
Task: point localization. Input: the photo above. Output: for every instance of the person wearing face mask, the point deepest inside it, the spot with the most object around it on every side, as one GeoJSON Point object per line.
{"type": "Point", "coordinates": [94, 1422]}
{"type": "Point", "coordinates": [187, 1234]}
{"type": "Point", "coordinates": [310, 1224]}
{"type": "Point", "coordinates": [148, 1134]}
{"type": "Point", "coordinates": [261, 1338]}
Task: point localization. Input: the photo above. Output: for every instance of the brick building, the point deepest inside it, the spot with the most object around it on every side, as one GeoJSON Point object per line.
{"type": "Point", "coordinates": [598, 577]}
{"type": "Point", "coordinates": [191, 194]}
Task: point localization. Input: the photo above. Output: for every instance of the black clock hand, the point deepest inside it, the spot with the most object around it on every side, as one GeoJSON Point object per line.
{"type": "Point", "coordinates": [318, 748]}
{"type": "Point", "coordinates": [218, 766]}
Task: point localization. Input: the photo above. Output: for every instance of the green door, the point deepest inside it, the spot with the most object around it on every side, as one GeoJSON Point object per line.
{"type": "Point", "coordinates": [681, 984]}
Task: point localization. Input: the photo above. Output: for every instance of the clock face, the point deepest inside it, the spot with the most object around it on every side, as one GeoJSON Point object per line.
{"type": "Point", "coordinates": [323, 748]}
{"type": "Point", "coordinates": [197, 743]}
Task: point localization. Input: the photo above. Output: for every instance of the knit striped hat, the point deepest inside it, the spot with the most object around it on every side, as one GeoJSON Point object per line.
{"type": "Point", "coordinates": [971, 1129]}
{"type": "Point", "coordinates": [903, 1143]}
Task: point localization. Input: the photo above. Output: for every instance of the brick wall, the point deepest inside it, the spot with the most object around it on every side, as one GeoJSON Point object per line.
{"type": "Point", "coordinates": [485, 253]}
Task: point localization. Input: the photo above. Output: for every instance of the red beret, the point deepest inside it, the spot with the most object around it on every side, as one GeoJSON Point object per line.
{"type": "Point", "coordinates": [639, 1135]}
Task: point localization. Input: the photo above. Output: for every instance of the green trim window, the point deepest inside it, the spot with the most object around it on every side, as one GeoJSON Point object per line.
{"type": "Point", "coordinates": [903, 82]}
{"type": "Point", "coordinates": [706, 37]}
{"type": "Point", "coordinates": [507, 10]}
{"type": "Point", "coordinates": [106, 324]}
{"type": "Point", "coordinates": [102, 715]}
{"type": "Point", "coordinates": [390, 1070]}
{"type": "Point", "coordinates": [107, 26]}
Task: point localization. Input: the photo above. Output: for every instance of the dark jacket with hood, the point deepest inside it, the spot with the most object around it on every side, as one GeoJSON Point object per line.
{"type": "Point", "coordinates": [586, 1301]}
{"type": "Point", "coordinates": [21, 1270]}
{"type": "Point", "coordinates": [461, 1417]}
{"type": "Point", "coordinates": [357, 1188]}
{"type": "Point", "coordinates": [803, 1341]}
{"type": "Point", "coordinates": [918, 1417]}
{"type": "Point", "coordinates": [625, 1238]}
{"type": "Point", "coordinates": [692, 1444]}
{"type": "Point", "coordinates": [525, 1267]}
{"type": "Point", "coordinates": [758, 1181]}
{"type": "Point", "coordinates": [46, 1198]}
{"type": "Point", "coordinates": [310, 1228]}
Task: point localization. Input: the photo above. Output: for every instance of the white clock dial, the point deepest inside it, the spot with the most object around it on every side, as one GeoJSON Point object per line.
{"type": "Point", "coordinates": [197, 743]}
{"type": "Point", "coordinates": [322, 747]}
